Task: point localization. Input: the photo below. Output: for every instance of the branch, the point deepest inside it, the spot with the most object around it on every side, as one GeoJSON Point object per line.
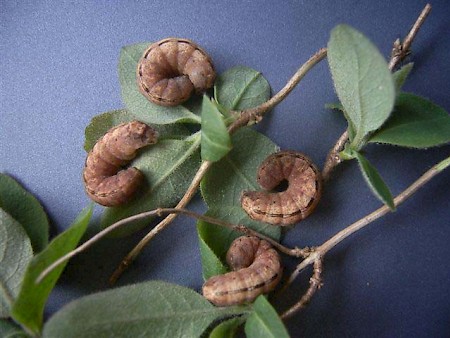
{"type": "Point", "coordinates": [245, 117]}
{"type": "Point", "coordinates": [296, 252]}
{"type": "Point", "coordinates": [315, 283]}
{"type": "Point", "coordinates": [399, 52]}
{"type": "Point", "coordinates": [253, 115]}
{"type": "Point", "coordinates": [320, 251]}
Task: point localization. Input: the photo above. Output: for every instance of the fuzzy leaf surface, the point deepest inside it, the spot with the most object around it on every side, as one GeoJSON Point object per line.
{"type": "Point", "coordinates": [151, 309]}
{"type": "Point", "coordinates": [241, 88]}
{"type": "Point", "coordinates": [26, 210]}
{"type": "Point", "coordinates": [416, 122]}
{"type": "Point", "coordinates": [101, 123]}
{"type": "Point", "coordinates": [28, 310]}
{"type": "Point", "coordinates": [264, 321]}
{"type": "Point", "coordinates": [221, 189]}
{"type": "Point", "coordinates": [215, 140]}
{"type": "Point", "coordinates": [362, 81]}
{"type": "Point", "coordinates": [375, 181]}
{"type": "Point", "coordinates": [15, 254]}
{"type": "Point", "coordinates": [137, 104]}
{"type": "Point", "coordinates": [168, 166]}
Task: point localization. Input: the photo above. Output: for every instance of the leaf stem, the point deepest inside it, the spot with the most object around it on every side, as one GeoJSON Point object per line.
{"type": "Point", "coordinates": [319, 252]}
{"type": "Point", "coordinates": [245, 117]}
{"type": "Point", "coordinates": [399, 52]}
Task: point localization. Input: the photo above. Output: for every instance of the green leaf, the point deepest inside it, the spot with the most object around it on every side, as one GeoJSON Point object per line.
{"type": "Point", "coordinates": [211, 263]}
{"type": "Point", "coordinates": [221, 189]}
{"type": "Point", "coordinates": [137, 104]}
{"type": "Point", "coordinates": [241, 88]}
{"type": "Point", "coordinates": [26, 210]}
{"type": "Point", "coordinates": [216, 141]}
{"type": "Point", "coordinates": [101, 123]}
{"type": "Point", "coordinates": [228, 328]}
{"type": "Point", "coordinates": [29, 307]}
{"type": "Point", "coordinates": [15, 254]}
{"type": "Point", "coordinates": [11, 330]}
{"type": "Point", "coordinates": [362, 81]}
{"type": "Point", "coordinates": [264, 321]}
{"type": "Point", "coordinates": [374, 181]}
{"type": "Point", "coordinates": [416, 122]}
{"type": "Point", "coordinates": [151, 309]}
{"type": "Point", "coordinates": [340, 107]}
{"type": "Point", "coordinates": [168, 166]}
{"type": "Point", "coordinates": [400, 76]}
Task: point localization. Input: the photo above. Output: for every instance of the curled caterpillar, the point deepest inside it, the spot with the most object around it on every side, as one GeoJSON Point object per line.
{"type": "Point", "coordinates": [291, 205]}
{"type": "Point", "coordinates": [104, 180]}
{"type": "Point", "coordinates": [171, 69]}
{"type": "Point", "coordinates": [257, 270]}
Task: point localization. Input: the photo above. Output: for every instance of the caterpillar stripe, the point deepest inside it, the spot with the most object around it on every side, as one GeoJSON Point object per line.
{"type": "Point", "coordinates": [257, 270]}
{"type": "Point", "coordinates": [291, 205]}
{"type": "Point", "coordinates": [105, 181]}
{"type": "Point", "coordinates": [171, 69]}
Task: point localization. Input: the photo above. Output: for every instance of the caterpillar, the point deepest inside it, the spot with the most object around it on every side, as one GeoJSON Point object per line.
{"type": "Point", "coordinates": [257, 270]}
{"type": "Point", "coordinates": [171, 69]}
{"type": "Point", "coordinates": [291, 205]}
{"type": "Point", "coordinates": [104, 179]}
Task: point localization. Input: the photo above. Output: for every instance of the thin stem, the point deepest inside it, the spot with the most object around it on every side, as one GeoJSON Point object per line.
{"type": "Point", "coordinates": [321, 250]}
{"type": "Point", "coordinates": [252, 115]}
{"type": "Point", "coordinates": [315, 283]}
{"type": "Point", "coordinates": [401, 50]}
{"type": "Point", "coordinates": [333, 158]}
{"type": "Point", "coordinates": [296, 252]}
{"type": "Point", "coordinates": [245, 117]}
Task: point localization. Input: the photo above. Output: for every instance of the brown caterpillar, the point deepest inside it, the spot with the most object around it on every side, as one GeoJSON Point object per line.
{"type": "Point", "coordinates": [289, 206]}
{"type": "Point", "coordinates": [105, 181]}
{"type": "Point", "coordinates": [257, 270]}
{"type": "Point", "coordinates": [171, 69]}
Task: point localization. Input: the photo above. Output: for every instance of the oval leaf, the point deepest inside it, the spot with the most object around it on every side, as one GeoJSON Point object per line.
{"type": "Point", "coordinates": [215, 142]}
{"type": "Point", "coordinates": [28, 309]}
{"type": "Point", "coordinates": [362, 81]}
{"type": "Point", "coordinates": [264, 321]}
{"type": "Point", "coordinates": [168, 166]}
{"type": "Point", "coordinates": [374, 181]}
{"type": "Point", "coordinates": [25, 209]}
{"type": "Point", "coordinates": [101, 123]}
{"type": "Point", "coordinates": [152, 309]}
{"type": "Point", "coordinates": [136, 103]}
{"type": "Point", "coordinates": [15, 254]}
{"type": "Point", "coordinates": [240, 88]}
{"type": "Point", "coordinates": [416, 122]}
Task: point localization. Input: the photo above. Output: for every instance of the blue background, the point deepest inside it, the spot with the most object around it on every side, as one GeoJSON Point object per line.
{"type": "Point", "coordinates": [58, 69]}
